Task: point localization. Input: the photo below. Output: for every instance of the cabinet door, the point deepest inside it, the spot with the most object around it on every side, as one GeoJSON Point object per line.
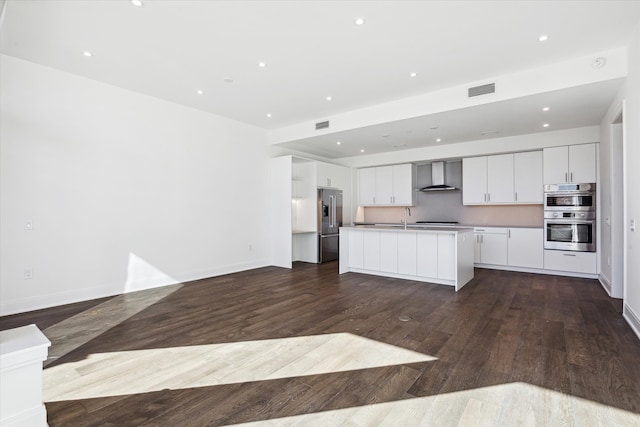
{"type": "Point", "coordinates": [494, 249]}
{"type": "Point", "coordinates": [403, 183]}
{"type": "Point", "coordinates": [555, 161]}
{"type": "Point", "coordinates": [366, 186]}
{"type": "Point", "coordinates": [477, 248]}
{"type": "Point", "coordinates": [389, 252]}
{"type": "Point", "coordinates": [526, 247]}
{"type": "Point", "coordinates": [446, 256]}
{"type": "Point", "coordinates": [322, 174]}
{"type": "Point", "coordinates": [582, 163]}
{"type": "Point", "coordinates": [474, 180]}
{"type": "Point", "coordinates": [527, 174]}
{"type": "Point", "coordinates": [407, 253]}
{"type": "Point", "coordinates": [384, 185]}
{"type": "Point", "coordinates": [427, 254]}
{"type": "Point", "coordinates": [500, 179]}
{"type": "Point", "coordinates": [371, 257]}
{"type": "Point", "coordinates": [356, 249]}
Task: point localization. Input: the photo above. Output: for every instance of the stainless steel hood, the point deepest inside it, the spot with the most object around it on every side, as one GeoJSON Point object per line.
{"type": "Point", "coordinates": [437, 179]}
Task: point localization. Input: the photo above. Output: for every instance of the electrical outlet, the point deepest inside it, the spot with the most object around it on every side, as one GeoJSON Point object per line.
{"type": "Point", "coordinates": [28, 273]}
{"type": "Point", "coordinates": [28, 224]}
{"type": "Point", "coordinates": [632, 225]}
{"type": "Point", "coordinates": [609, 260]}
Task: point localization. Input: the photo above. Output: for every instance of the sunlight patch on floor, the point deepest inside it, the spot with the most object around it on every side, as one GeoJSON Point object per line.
{"type": "Point", "coordinates": [513, 404]}
{"type": "Point", "coordinates": [142, 371]}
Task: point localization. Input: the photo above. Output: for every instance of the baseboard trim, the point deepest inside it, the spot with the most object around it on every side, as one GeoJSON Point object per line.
{"type": "Point", "coordinates": [632, 319]}
{"type": "Point", "coordinates": [605, 282]}
{"type": "Point", "coordinates": [37, 302]}
{"type": "Point", "coordinates": [537, 271]}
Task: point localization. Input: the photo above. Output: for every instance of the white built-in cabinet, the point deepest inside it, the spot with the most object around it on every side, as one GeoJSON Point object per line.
{"type": "Point", "coordinates": [573, 163]}
{"type": "Point", "coordinates": [427, 256]}
{"type": "Point", "coordinates": [294, 185]}
{"type": "Point", "coordinates": [570, 261]}
{"type": "Point", "coordinates": [332, 176]}
{"type": "Point", "coordinates": [490, 245]}
{"type": "Point", "coordinates": [525, 247]}
{"type": "Point", "coordinates": [387, 186]}
{"type": "Point", "coordinates": [514, 178]}
{"type": "Point", "coordinates": [515, 247]}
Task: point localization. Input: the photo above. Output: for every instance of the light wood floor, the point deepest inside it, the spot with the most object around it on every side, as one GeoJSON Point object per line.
{"type": "Point", "coordinates": [307, 347]}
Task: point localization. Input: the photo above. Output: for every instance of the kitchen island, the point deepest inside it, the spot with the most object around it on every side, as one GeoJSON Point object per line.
{"type": "Point", "coordinates": [441, 255]}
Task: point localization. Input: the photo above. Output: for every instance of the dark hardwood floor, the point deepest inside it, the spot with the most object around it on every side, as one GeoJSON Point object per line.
{"type": "Point", "coordinates": [559, 333]}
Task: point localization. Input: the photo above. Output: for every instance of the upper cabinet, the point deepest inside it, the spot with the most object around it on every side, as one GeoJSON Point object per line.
{"type": "Point", "coordinates": [502, 179]}
{"type": "Point", "coordinates": [573, 163]}
{"type": "Point", "coordinates": [332, 176]}
{"type": "Point", "coordinates": [387, 186]}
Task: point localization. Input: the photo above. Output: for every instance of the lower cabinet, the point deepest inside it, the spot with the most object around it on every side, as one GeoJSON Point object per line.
{"type": "Point", "coordinates": [575, 262]}
{"type": "Point", "coordinates": [491, 245]}
{"type": "Point", "coordinates": [515, 247]}
{"type": "Point", "coordinates": [427, 255]}
{"type": "Point", "coordinates": [525, 247]}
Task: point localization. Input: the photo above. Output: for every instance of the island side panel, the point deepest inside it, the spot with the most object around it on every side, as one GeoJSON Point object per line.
{"type": "Point", "coordinates": [465, 250]}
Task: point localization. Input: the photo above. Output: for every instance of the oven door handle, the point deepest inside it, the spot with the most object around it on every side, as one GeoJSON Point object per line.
{"type": "Point", "coordinates": [570, 221]}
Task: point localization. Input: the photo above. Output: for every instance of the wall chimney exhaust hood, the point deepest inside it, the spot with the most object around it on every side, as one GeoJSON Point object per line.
{"type": "Point", "coordinates": [437, 179]}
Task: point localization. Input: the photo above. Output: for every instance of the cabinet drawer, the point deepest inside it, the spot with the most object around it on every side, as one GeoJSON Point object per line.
{"type": "Point", "coordinates": [577, 262]}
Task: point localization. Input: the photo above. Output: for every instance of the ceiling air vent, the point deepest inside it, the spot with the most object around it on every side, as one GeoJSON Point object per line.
{"type": "Point", "coordinates": [322, 125]}
{"type": "Point", "coordinates": [482, 90]}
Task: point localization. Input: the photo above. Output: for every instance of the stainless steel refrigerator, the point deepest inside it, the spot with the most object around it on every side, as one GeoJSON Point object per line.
{"type": "Point", "coordinates": [329, 223]}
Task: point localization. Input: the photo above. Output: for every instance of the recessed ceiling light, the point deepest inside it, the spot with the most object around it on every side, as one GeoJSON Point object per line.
{"type": "Point", "coordinates": [543, 38]}
{"type": "Point", "coordinates": [362, 150]}
{"type": "Point", "coordinates": [262, 64]}
{"type": "Point", "coordinates": [386, 135]}
{"type": "Point", "coordinates": [227, 80]}
{"type": "Point", "coordinates": [329, 98]}
{"type": "Point", "coordinates": [546, 125]}
{"type": "Point", "coordinates": [269, 115]}
{"type": "Point", "coordinates": [200, 91]}
{"type": "Point", "coordinates": [338, 142]}
{"type": "Point", "coordinates": [545, 108]}
{"type": "Point", "coordinates": [87, 54]}
{"type": "Point", "coordinates": [433, 127]}
{"type": "Point", "coordinates": [359, 21]}
{"type": "Point", "coordinates": [438, 140]}
{"type": "Point", "coordinates": [137, 3]}
{"type": "Point", "coordinates": [413, 74]}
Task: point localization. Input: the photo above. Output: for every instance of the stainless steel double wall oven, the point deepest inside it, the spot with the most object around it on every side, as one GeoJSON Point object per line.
{"type": "Point", "coordinates": [570, 217]}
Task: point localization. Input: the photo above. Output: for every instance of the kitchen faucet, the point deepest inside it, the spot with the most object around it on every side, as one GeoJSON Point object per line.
{"type": "Point", "coordinates": [406, 210]}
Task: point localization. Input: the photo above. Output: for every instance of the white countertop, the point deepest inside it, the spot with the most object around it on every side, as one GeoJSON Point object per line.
{"type": "Point", "coordinates": [414, 228]}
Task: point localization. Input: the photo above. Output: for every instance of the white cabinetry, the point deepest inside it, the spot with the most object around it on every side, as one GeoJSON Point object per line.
{"type": "Point", "coordinates": [428, 256]}
{"type": "Point", "coordinates": [474, 180]}
{"type": "Point", "coordinates": [575, 262]}
{"type": "Point", "coordinates": [490, 245]}
{"type": "Point", "coordinates": [427, 249]}
{"type": "Point", "coordinates": [389, 252]}
{"type": "Point", "coordinates": [367, 186]}
{"type": "Point", "coordinates": [387, 186]}
{"type": "Point", "coordinates": [356, 249]}
{"type": "Point", "coordinates": [527, 177]}
{"type": "Point", "coordinates": [407, 253]}
{"type": "Point", "coordinates": [573, 163]}
{"type": "Point", "coordinates": [294, 183]}
{"type": "Point", "coordinates": [502, 179]}
{"type": "Point", "coordinates": [332, 176]}
{"type": "Point", "coordinates": [525, 247]}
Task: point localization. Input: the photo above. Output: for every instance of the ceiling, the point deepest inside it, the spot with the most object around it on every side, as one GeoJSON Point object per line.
{"type": "Point", "coordinates": [313, 49]}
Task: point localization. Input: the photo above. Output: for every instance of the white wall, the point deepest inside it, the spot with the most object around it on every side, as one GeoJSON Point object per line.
{"type": "Point", "coordinates": [632, 129]}
{"type": "Point", "coordinates": [609, 193]}
{"type": "Point", "coordinates": [125, 191]}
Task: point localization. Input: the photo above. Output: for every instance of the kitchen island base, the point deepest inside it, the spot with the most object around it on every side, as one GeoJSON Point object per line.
{"type": "Point", "coordinates": [442, 255]}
